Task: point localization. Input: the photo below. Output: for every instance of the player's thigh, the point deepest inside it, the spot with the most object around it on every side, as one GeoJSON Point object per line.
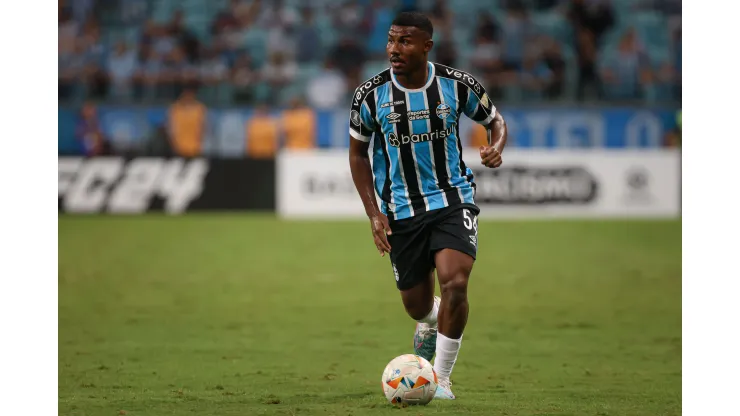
{"type": "Point", "coordinates": [454, 244]}
{"type": "Point", "coordinates": [410, 254]}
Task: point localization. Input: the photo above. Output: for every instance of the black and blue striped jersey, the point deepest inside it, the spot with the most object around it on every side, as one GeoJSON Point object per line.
{"type": "Point", "coordinates": [417, 152]}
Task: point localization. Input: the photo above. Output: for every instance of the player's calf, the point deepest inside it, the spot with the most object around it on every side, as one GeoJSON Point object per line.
{"type": "Point", "coordinates": [453, 272]}
{"type": "Point", "coordinates": [423, 307]}
{"type": "Point", "coordinates": [418, 300]}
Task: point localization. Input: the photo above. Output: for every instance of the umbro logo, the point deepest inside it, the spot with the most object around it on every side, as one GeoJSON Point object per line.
{"type": "Point", "coordinates": [393, 118]}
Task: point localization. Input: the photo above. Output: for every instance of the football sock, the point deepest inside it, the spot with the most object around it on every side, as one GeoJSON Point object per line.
{"type": "Point", "coordinates": [447, 349]}
{"type": "Point", "coordinates": [431, 317]}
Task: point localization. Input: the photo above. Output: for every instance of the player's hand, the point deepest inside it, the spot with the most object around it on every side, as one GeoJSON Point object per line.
{"type": "Point", "coordinates": [381, 231]}
{"type": "Point", "coordinates": [490, 157]}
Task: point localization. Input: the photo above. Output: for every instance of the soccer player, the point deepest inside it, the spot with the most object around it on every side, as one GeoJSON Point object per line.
{"type": "Point", "coordinates": [428, 218]}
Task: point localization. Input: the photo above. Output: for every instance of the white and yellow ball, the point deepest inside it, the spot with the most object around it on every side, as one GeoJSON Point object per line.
{"type": "Point", "coordinates": [409, 380]}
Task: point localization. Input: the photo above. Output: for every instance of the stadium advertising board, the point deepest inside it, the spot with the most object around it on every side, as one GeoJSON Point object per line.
{"type": "Point", "coordinates": [118, 185]}
{"type": "Point", "coordinates": [530, 184]}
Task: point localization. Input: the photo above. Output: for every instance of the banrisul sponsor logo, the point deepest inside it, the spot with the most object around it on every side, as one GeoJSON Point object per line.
{"type": "Point", "coordinates": [396, 140]}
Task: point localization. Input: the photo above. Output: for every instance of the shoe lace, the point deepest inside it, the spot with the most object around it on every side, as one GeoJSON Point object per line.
{"type": "Point", "coordinates": [445, 383]}
{"type": "Point", "coordinates": [426, 331]}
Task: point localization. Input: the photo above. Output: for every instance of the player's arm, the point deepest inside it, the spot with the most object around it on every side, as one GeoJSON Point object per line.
{"type": "Point", "coordinates": [479, 108]}
{"type": "Point", "coordinates": [360, 131]}
{"type": "Point", "coordinates": [362, 175]}
{"type": "Point", "coordinates": [497, 136]}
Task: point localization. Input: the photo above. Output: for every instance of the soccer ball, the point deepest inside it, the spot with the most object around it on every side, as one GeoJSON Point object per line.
{"type": "Point", "coordinates": [409, 380]}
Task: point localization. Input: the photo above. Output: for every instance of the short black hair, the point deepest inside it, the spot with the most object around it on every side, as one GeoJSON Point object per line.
{"type": "Point", "coordinates": [415, 19]}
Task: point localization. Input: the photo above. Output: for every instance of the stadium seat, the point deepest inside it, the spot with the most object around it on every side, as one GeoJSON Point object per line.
{"type": "Point", "coordinates": [571, 71]}
{"type": "Point", "coordinates": [652, 28]}
{"type": "Point", "coordinates": [373, 67]}
{"type": "Point", "coordinates": [162, 11]}
{"type": "Point", "coordinates": [624, 8]}
{"type": "Point", "coordinates": [425, 5]}
{"type": "Point", "coordinates": [254, 40]}
{"type": "Point", "coordinates": [296, 3]}
{"type": "Point", "coordinates": [554, 24]}
{"type": "Point", "coordinates": [465, 13]}
{"type": "Point", "coordinates": [492, 7]}
{"type": "Point", "coordinates": [462, 38]}
{"type": "Point", "coordinates": [326, 31]}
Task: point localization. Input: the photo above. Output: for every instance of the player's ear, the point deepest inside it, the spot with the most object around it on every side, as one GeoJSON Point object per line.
{"type": "Point", "coordinates": [428, 45]}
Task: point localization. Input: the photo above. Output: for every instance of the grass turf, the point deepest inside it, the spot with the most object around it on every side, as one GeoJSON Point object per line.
{"type": "Point", "coordinates": [249, 315]}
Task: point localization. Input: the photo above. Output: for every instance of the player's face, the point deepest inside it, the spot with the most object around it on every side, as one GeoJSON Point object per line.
{"type": "Point", "coordinates": [407, 49]}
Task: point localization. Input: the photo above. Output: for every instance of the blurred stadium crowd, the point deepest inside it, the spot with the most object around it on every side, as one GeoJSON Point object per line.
{"type": "Point", "coordinates": [276, 52]}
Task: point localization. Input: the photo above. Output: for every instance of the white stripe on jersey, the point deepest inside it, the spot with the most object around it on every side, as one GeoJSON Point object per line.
{"type": "Point", "coordinates": [381, 136]}
{"type": "Point", "coordinates": [392, 205]}
{"type": "Point", "coordinates": [398, 152]}
{"type": "Point", "coordinates": [461, 111]}
{"type": "Point", "coordinates": [488, 119]}
{"type": "Point", "coordinates": [413, 151]}
{"type": "Point", "coordinates": [431, 148]}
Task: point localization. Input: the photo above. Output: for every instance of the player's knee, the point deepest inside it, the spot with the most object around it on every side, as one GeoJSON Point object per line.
{"type": "Point", "coordinates": [417, 308]}
{"type": "Point", "coordinates": [416, 313]}
{"type": "Point", "coordinates": [455, 288]}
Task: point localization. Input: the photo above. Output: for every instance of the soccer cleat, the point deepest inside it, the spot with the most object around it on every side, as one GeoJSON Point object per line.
{"type": "Point", "coordinates": [425, 338]}
{"type": "Point", "coordinates": [444, 390]}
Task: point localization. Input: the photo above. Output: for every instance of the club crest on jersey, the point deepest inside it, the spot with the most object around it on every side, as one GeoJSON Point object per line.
{"type": "Point", "coordinates": [355, 117]}
{"type": "Point", "coordinates": [443, 110]}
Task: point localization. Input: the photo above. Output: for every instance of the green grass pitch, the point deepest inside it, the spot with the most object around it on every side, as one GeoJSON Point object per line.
{"type": "Point", "coordinates": [249, 315]}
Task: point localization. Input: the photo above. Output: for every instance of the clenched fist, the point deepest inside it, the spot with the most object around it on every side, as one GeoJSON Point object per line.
{"type": "Point", "coordinates": [490, 157]}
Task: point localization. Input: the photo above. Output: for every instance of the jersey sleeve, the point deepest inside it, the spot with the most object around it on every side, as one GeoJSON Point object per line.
{"type": "Point", "coordinates": [361, 124]}
{"type": "Point", "coordinates": [478, 106]}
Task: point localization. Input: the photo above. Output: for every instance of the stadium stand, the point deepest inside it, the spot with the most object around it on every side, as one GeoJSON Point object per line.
{"type": "Point", "coordinates": [270, 52]}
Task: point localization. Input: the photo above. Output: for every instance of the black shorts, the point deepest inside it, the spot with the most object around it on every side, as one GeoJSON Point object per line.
{"type": "Point", "coordinates": [415, 241]}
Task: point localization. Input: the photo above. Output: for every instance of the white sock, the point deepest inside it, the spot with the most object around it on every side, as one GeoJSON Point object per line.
{"type": "Point", "coordinates": [431, 317]}
{"type": "Point", "coordinates": [447, 350]}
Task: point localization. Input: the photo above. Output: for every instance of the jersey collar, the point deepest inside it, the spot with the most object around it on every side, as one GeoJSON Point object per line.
{"type": "Point", "coordinates": [429, 81]}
